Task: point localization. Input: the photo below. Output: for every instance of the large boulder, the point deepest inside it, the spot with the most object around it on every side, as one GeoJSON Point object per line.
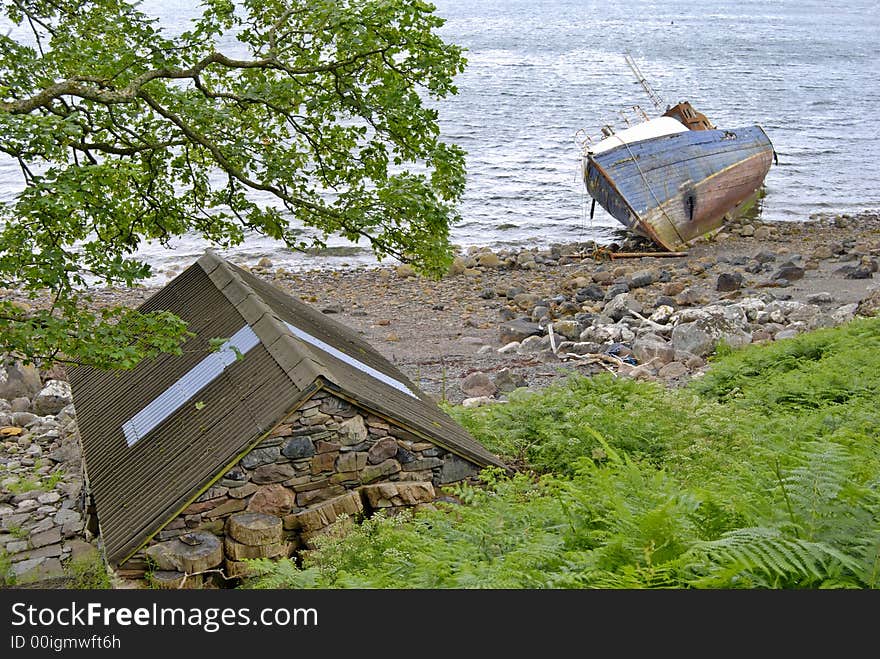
{"type": "Point", "coordinates": [478, 384]}
{"type": "Point", "coordinates": [18, 379]}
{"type": "Point", "coordinates": [698, 331]}
{"type": "Point", "coordinates": [650, 348]}
{"type": "Point", "coordinates": [517, 330]}
{"type": "Point", "coordinates": [620, 305]}
{"type": "Point", "coordinates": [52, 398]}
{"type": "Point", "coordinates": [870, 304]}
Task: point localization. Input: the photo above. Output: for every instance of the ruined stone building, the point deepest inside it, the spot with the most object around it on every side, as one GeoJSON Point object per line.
{"type": "Point", "coordinates": [198, 461]}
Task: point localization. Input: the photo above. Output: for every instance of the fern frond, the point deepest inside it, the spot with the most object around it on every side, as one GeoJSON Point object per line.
{"type": "Point", "coordinates": [765, 555]}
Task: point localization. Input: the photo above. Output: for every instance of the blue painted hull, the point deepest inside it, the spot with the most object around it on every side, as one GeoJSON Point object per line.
{"type": "Point", "coordinates": [677, 187]}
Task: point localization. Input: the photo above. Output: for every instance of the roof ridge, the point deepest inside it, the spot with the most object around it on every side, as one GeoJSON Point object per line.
{"type": "Point", "coordinates": [294, 357]}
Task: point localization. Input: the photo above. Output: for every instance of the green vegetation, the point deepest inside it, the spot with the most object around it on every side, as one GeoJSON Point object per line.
{"type": "Point", "coordinates": [124, 134]}
{"type": "Point", "coordinates": [764, 473]}
{"type": "Point", "coordinates": [7, 578]}
{"type": "Point", "coordinates": [34, 483]}
{"type": "Point", "coordinates": [87, 572]}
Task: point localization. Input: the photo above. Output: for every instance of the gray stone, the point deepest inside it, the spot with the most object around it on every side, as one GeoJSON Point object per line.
{"type": "Point", "coordinates": [37, 569]}
{"type": "Point", "coordinates": [52, 398]}
{"type": "Point", "coordinates": [620, 306]}
{"type": "Point", "coordinates": [820, 298]}
{"type": "Point", "coordinates": [789, 272]}
{"type": "Point", "coordinates": [18, 379]}
{"type": "Point", "coordinates": [374, 472]}
{"type": "Point", "coordinates": [592, 293]}
{"type": "Point", "coordinates": [845, 313]}
{"type": "Point", "coordinates": [353, 431]}
{"type": "Point", "coordinates": [506, 380]}
{"type": "Point", "coordinates": [616, 289]}
{"type": "Point", "coordinates": [870, 304]}
{"type": "Point", "coordinates": [67, 516]}
{"type": "Point", "coordinates": [44, 538]}
{"type": "Point", "coordinates": [641, 278]}
{"type": "Point", "coordinates": [404, 456]}
{"type": "Point", "coordinates": [241, 490]}
{"type": "Point", "coordinates": [654, 349]}
{"type": "Point", "coordinates": [214, 492]}
{"type": "Point", "coordinates": [570, 329]}
{"type": "Point", "coordinates": [46, 551]}
{"type": "Point", "coordinates": [272, 473]}
{"type": "Point", "coordinates": [785, 334]}
{"type": "Point", "coordinates": [478, 384]}
{"type": "Point", "coordinates": [49, 497]}
{"type": "Point", "coordinates": [539, 313]}
{"type": "Point", "coordinates": [533, 344]}
{"type": "Point", "coordinates": [355, 461]}
{"type": "Point", "coordinates": [23, 419]}
{"type": "Point", "coordinates": [673, 370]}
{"type": "Point", "coordinates": [729, 281]}
{"type": "Point", "coordinates": [298, 447]}
{"type": "Point", "coordinates": [13, 520]}
{"type": "Point", "coordinates": [456, 469]}
{"type": "Point", "coordinates": [337, 407]}
{"type": "Point", "coordinates": [693, 338]}
{"type": "Point", "coordinates": [385, 448]}
{"type": "Point", "coordinates": [423, 464]}
{"type": "Point", "coordinates": [69, 452]}
{"type": "Point", "coordinates": [16, 546]}
{"type": "Point", "coordinates": [21, 404]}
{"type": "Point", "coordinates": [261, 456]}
{"type": "Point", "coordinates": [517, 330]}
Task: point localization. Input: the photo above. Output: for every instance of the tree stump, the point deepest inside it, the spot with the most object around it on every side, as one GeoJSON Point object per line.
{"type": "Point", "coordinates": [238, 551]}
{"type": "Point", "coordinates": [173, 580]}
{"type": "Point", "coordinates": [254, 529]}
{"type": "Point", "coordinates": [192, 552]}
{"type": "Point", "coordinates": [237, 569]}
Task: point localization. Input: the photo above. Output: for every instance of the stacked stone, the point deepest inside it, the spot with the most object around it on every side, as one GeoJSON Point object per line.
{"type": "Point", "coordinates": [307, 474]}
{"type": "Point", "coordinates": [41, 527]}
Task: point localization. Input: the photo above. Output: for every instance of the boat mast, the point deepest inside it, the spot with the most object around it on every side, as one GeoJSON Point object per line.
{"type": "Point", "coordinates": [653, 95]}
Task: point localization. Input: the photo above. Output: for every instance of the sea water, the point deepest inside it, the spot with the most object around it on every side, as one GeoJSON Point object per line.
{"type": "Point", "coordinates": [542, 75]}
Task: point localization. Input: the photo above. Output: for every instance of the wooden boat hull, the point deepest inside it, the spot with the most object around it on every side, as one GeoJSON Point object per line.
{"type": "Point", "coordinates": [678, 187]}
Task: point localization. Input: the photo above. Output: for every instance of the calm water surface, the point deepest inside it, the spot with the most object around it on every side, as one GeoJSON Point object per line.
{"type": "Point", "coordinates": [538, 73]}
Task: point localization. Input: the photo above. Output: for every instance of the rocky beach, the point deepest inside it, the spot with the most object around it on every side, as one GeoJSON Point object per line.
{"type": "Point", "coordinates": [498, 321]}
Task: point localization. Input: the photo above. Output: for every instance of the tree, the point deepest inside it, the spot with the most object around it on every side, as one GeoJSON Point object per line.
{"type": "Point", "coordinates": [124, 134]}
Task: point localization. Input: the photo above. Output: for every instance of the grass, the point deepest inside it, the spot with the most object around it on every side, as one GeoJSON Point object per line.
{"type": "Point", "coordinates": [764, 473]}
{"type": "Point", "coordinates": [33, 483]}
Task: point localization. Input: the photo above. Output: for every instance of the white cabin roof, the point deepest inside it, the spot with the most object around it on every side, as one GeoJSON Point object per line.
{"type": "Point", "coordinates": [651, 128]}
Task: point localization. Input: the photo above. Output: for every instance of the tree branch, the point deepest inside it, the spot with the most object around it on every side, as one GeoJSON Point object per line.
{"type": "Point", "coordinates": [240, 176]}
{"type": "Point", "coordinates": [81, 88]}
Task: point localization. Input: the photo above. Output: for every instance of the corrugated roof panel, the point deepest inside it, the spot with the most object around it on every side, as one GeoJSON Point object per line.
{"type": "Point", "coordinates": [348, 359]}
{"type": "Point", "coordinates": [190, 384]}
{"type": "Point", "coordinates": [322, 327]}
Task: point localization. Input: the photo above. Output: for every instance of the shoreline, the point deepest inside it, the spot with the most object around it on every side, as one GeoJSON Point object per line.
{"type": "Point", "coordinates": [439, 332]}
{"type": "Point", "coordinates": [498, 321]}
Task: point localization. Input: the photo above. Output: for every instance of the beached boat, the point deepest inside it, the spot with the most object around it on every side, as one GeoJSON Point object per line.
{"type": "Point", "coordinates": [676, 177]}
{"type": "Point", "coordinates": [672, 182]}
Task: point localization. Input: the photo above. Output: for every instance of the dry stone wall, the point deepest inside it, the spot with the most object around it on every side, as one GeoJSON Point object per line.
{"type": "Point", "coordinates": [330, 459]}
